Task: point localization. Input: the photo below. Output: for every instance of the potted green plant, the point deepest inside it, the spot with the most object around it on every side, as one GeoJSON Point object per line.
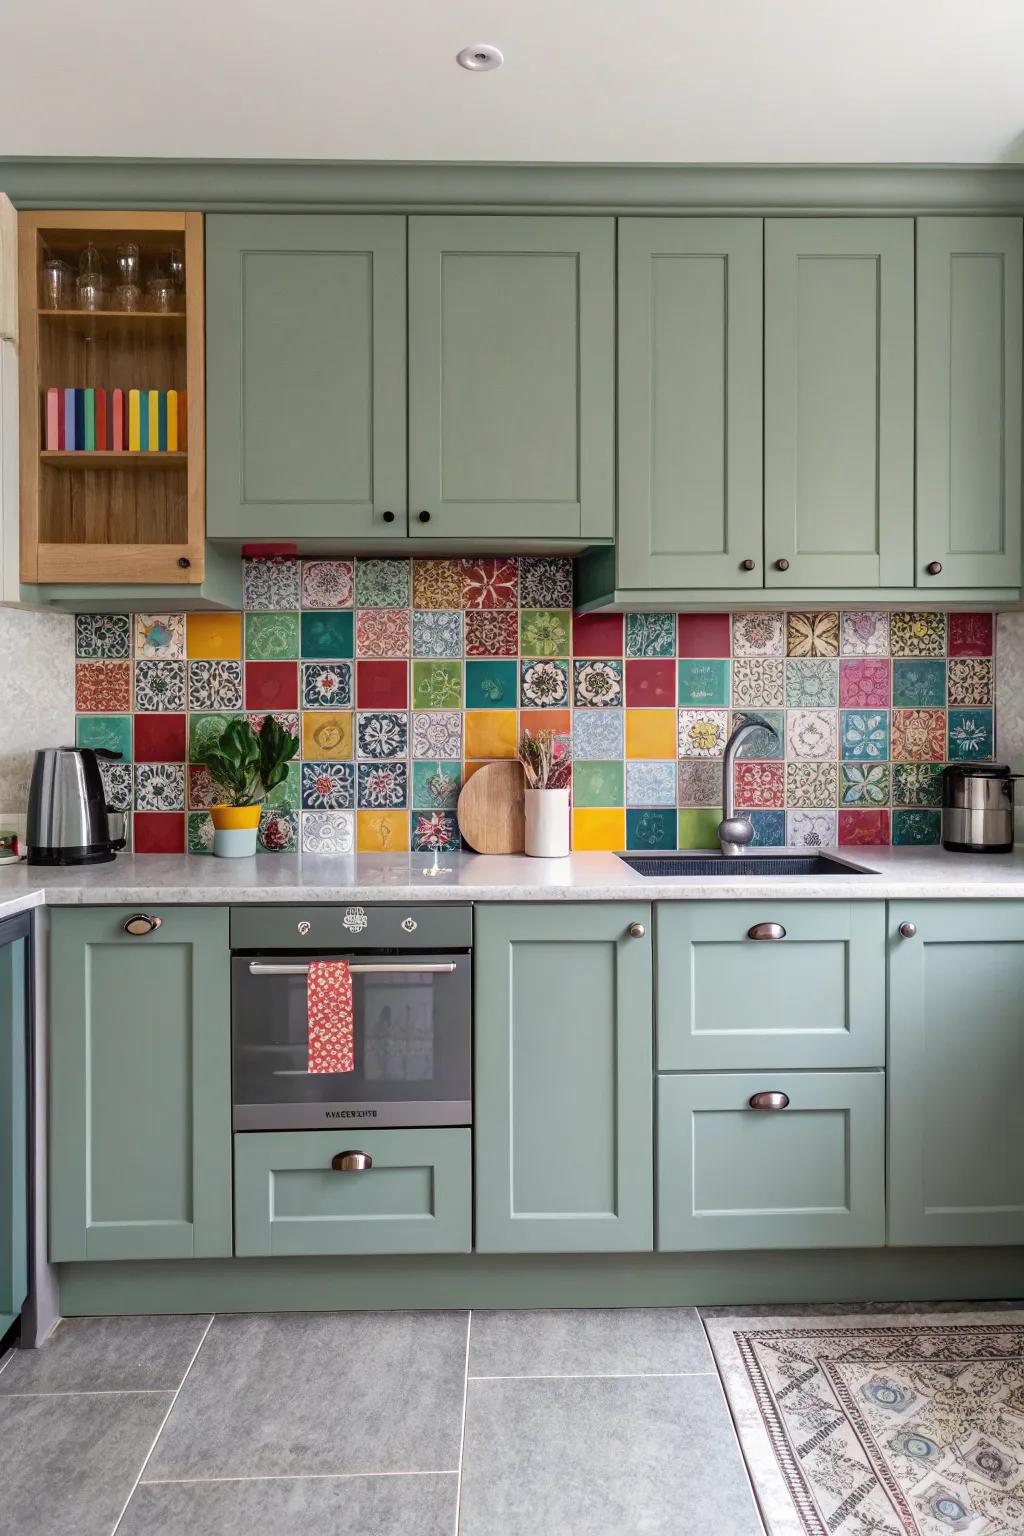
{"type": "Point", "coordinates": [247, 765]}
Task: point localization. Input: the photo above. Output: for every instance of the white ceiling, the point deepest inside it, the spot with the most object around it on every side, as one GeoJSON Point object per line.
{"type": "Point", "coordinates": [775, 81]}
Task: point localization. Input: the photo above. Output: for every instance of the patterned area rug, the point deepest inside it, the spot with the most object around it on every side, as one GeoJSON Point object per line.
{"type": "Point", "coordinates": [891, 1424]}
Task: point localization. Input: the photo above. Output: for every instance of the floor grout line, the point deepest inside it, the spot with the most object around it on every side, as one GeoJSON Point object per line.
{"type": "Point", "coordinates": [759, 1509]}
{"type": "Point", "coordinates": [599, 1376]}
{"type": "Point", "coordinates": [160, 1430]}
{"type": "Point", "coordinates": [96, 1392]}
{"type": "Point", "coordinates": [462, 1436]}
{"type": "Point", "coordinates": [297, 1477]}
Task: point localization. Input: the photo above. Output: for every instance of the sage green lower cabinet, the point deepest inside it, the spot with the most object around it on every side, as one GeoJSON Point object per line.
{"type": "Point", "coordinates": [956, 1073]}
{"type": "Point", "coordinates": [748, 984]}
{"type": "Point", "coordinates": [13, 1121]}
{"type": "Point", "coordinates": [810, 1175]}
{"type": "Point", "coordinates": [140, 1075]}
{"type": "Point", "coordinates": [415, 1197]}
{"type": "Point", "coordinates": [563, 1072]}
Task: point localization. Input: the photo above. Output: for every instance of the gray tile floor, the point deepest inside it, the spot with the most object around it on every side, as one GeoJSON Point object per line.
{"type": "Point", "coordinates": [570, 1423]}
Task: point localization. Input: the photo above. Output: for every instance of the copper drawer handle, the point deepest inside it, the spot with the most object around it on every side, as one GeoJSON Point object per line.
{"type": "Point", "coordinates": [770, 1100]}
{"type": "Point", "coordinates": [351, 1162]}
{"type": "Point", "coordinates": [141, 923]}
{"type": "Point", "coordinates": [766, 931]}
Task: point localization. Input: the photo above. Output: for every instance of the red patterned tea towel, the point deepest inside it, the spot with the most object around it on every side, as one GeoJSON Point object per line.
{"type": "Point", "coordinates": [329, 1012]}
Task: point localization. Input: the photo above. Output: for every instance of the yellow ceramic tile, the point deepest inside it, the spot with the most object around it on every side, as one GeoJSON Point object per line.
{"type": "Point", "coordinates": [382, 831]}
{"type": "Point", "coordinates": [490, 733]}
{"type": "Point", "coordinates": [599, 829]}
{"type": "Point", "coordinates": [326, 733]}
{"type": "Point", "coordinates": [650, 733]}
{"type": "Point", "coordinates": [215, 636]}
{"type": "Point", "coordinates": [468, 770]}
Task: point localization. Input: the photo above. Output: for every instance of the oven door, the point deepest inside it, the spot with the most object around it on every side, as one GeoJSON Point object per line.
{"type": "Point", "coordinates": [411, 1039]}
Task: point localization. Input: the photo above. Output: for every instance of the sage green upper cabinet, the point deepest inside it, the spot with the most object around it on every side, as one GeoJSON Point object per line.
{"type": "Point", "coordinates": [305, 376]}
{"type": "Point", "coordinates": [511, 357]}
{"type": "Point", "coordinates": [563, 1063]}
{"type": "Point", "coordinates": [956, 1065]}
{"type": "Point", "coordinates": [140, 1085]}
{"type": "Point", "coordinates": [690, 319]}
{"type": "Point", "coordinates": [969, 402]}
{"type": "Point", "coordinates": [839, 402]}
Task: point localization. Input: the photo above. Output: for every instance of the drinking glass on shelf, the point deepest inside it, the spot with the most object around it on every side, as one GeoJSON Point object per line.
{"type": "Point", "coordinates": [161, 294]}
{"type": "Point", "coordinates": [176, 266]}
{"type": "Point", "coordinates": [55, 286]}
{"type": "Point", "coordinates": [127, 297]}
{"type": "Point", "coordinates": [91, 290]}
{"type": "Point", "coordinates": [90, 262]}
{"type": "Point", "coordinates": [127, 265]}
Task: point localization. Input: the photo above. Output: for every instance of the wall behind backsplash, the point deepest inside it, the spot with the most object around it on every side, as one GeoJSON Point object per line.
{"type": "Point", "coordinates": [400, 677]}
{"type": "Point", "coordinates": [37, 699]}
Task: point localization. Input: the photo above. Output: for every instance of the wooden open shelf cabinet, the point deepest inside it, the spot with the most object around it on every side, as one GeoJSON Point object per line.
{"type": "Point", "coordinates": [95, 517]}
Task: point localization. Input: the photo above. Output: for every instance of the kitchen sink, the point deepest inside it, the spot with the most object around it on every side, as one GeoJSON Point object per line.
{"type": "Point", "coordinates": [768, 865]}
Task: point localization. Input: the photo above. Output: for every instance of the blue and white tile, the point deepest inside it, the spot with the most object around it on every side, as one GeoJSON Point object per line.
{"type": "Point", "coordinates": [597, 735]}
{"type": "Point", "coordinates": [117, 785]}
{"type": "Point", "coordinates": [329, 832]}
{"type": "Point", "coordinates": [650, 783]}
{"type": "Point", "coordinates": [811, 829]}
{"type": "Point", "coordinates": [270, 584]}
{"type": "Point", "coordinates": [159, 786]}
{"type": "Point", "coordinates": [102, 636]}
{"type": "Point", "coordinates": [970, 735]}
{"type": "Point", "coordinates": [597, 684]}
{"type": "Point", "coordinates": [436, 632]}
{"type": "Point", "coordinates": [812, 682]}
{"type": "Point", "coordinates": [864, 735]}
{"type": "Point", "coordinates": [214, 685]}
{"type": "Point", "coordinates": [769, 828]}
{"type": "Point", "coordinates": [327, 685]}
{"type": "Point", "coordinates": [383, 786]}
{"type": "Point", "coordinates": [328, 786]}
{"type": "Point", "coordinates": [159, 687]}
{"type": "Point", "coordinates": [382, 734]}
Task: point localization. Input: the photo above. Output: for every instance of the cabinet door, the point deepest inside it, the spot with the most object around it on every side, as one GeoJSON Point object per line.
{"type": "Point", "coordinates": [690, 500]}
{"type": "Point", "coordinates": [511, 357]}
{"type": "Point", "coordinates": [839, 402]}
{"type": "Point", "coordinates": [563, 1134]}
{"type": "Point", "coordinates": [13, 1129]}
{"type": "Point", "coordinates": [729, 997]}
{"type": "Point", "coordinates": [810, 1175]}
{"type": "Point", "coordinates": [956, 1066]}
{"type": "Point", "coordinates": [140, 1095]}
{"type": "Point", "coordinates": [969, 402]}
{"type": "Point", "coordinates": [305, 376]}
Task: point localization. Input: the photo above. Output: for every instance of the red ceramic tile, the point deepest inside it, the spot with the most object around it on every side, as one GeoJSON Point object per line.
{"type": "Point", "coordinates": [158, 832]}
{"type": "Point", "coordinates": [160, 738]}
{"type": "Point", "coordinates": [492, 632]}
{"type": "Point", "coordinates": [858, 829]}
{"type": "Point", "coordinates": [597, 634]}
{"type": "Point", "coordinates": [271, 685]}
{"type": "Point", "coordinates": [703, 634]}
{"type": "Point", "coordinates": [864, 683]}
{"type": "Point", "coordinates": [382, 684]}
{"type": "Point", "coordinates": [103, 687]}
{"type": "Point", "coordinates": [970, 634]}
{"type": "Point", "coordinates": [651, 684]}
{"type": "Point", "coordinates": [760, 785]}
{"type": "Point", "coordinates": [490, 583]}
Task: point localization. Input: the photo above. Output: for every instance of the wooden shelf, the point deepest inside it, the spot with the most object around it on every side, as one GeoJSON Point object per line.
{"type": "Point", "coordinates": [91, 458]}
{"type": "Point", "coordinates": [98, 321]}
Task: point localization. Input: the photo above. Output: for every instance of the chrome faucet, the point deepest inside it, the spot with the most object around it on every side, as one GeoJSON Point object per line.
{"type": "Point", "coordinates": [735, 832]}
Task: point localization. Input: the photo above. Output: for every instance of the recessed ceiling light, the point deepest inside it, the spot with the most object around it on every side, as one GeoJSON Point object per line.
{"type": "Point", "coordinates": [481, 56]}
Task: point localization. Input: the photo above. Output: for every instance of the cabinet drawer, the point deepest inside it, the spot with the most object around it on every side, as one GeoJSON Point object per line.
{"type": "Point", "coordinates": [415, 1198]}
{"type": "Point", "coordinates": [812, 997]}
{"type": "Point", "coordinates": [811, 1175]}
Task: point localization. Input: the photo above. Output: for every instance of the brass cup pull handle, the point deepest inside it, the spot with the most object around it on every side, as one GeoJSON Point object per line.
{"type": "Point", "coordinates": [351, 1162]}
{"type": "Point", "coordinates": [636, 930]}
{"type": "Point", "coordinates": [141, 923]}
{"type": "Point", "coordinates": [766, 931]}
{"type": "Point", "coordinates": [771, 1100]}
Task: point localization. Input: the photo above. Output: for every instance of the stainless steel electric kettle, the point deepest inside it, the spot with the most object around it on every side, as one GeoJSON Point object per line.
{"type": "Point", "coordinates": [69, 821]}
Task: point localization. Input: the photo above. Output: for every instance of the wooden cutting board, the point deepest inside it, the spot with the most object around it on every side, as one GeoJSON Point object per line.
{"type": "Point", "coordinates": [490, 809]}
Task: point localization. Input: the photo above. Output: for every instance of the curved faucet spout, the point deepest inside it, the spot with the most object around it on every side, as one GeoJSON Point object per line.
{"type": "Point", "coordinates": [736, 832]}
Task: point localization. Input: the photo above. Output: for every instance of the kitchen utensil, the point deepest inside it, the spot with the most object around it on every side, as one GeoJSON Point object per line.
{"type": "Point", "coordinates": [491, 809]}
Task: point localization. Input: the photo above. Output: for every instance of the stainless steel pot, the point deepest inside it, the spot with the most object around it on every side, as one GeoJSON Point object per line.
{"type": "Point", "coordinates": [977, 808]}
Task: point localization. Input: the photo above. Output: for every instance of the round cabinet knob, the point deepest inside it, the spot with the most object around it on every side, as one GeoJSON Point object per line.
{"type": "Point", "coordinates": [184, 563]}
{"type": "Point", "coordinates": [747, 565]}
{"type": "Point", "coordinates": [636, 930]}
{"type": "Point", "coordinates": [934, 568]}
{"type": "Point", "coordinates": [782, 565]}
{"type": "Point", "coordinates": [773, 1100]}
{"type": "Point", "coordinates": [908, 930]}
{"type": "Point", "coordinates": [140, 923]}
{"type": "Point", "coordinates": [351, 1162]}
{"type": "Point", "coordinates": [424, 517]}
{"type": "Point", "coordinates": [388, 517]}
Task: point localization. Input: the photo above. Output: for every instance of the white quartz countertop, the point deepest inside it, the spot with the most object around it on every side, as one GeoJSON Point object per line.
{"type": "Point", "coordinates": [904, 873]}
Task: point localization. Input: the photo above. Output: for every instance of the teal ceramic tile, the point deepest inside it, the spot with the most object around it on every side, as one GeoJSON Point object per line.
{"type": "Point", "coordinates": [762, 744]}
{"type": "Point", "coordinates": [864, 735]}
{"type": "Point", "coordinates": [919, 684]}
{"type": "Point", "coordinates": [910, 828]}
{"type": "Point", "coordinates": [651, 829]}
{"type": "Point", "coordinates": [650, 635]}
{"type": "Point", "coordinates": [970, 735]}
{"type": "Point", "coordinates": [917, 783]}
{"type": "Point", "coordinates": [111, 732]}
{"type": "Point", "coordinates": [492, 684]}
{"type": "Point", "coordinates": [328, 634]}
{"type": "Point", "coordinates": [769, 828]}
{"type": "Point", "coordinates": [704, 683]}
{"type": "Point", "coordinates": [435, 786]}
{"type": "Point", "coordinates": [812, 682]}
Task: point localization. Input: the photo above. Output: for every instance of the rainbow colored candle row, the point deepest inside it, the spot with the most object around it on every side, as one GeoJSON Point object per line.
{"type": "Point", "coordinates": [116, 420]}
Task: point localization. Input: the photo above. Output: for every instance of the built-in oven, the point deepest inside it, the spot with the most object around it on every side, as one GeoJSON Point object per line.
{"type": "Point", "coordinates": [411, 973]}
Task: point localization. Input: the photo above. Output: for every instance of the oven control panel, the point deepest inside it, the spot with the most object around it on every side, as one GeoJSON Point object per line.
{"type": "Point", "coordinates": [333, 925]}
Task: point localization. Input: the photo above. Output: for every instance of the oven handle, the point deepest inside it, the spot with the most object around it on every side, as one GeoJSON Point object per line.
{"type": "Point", "coordinates": [264, 968]}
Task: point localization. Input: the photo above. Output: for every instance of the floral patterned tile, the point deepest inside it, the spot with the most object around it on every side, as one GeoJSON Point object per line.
{"type": "Point", "coordinates": [597, 684]}
{"type": "Point", "coordinates": [325, 686]}
{"type": "Point", "coordinates": [650, 635]}
{"type": "Point", "coordinates": [811, 829]}
{"type": "Point", "coordinates": [200, 832]}
{"type": "Point", "coordinates": [159, 686]}
{"type": "Point", "coordinates": [864, 784]}
{"type": "Point", "coordinates": [917, 783]}
{"type": "Point", "coordinates": [864, 683]}
{"type": "Point", "coordinates": [768, 742]}
{"type": "Point", "coordinates": [117, 785]}
{"type": "Point", "coordinates": [328, 786]}
{"type": "Point", "coordinates": [811, 733]}
{"type": "Point", "coordinates": [103, 687]}
{"type": "Point", "coordinates": [214, 685]}
{"type": "Point", "coordinates": [271, 636]}
{"type": "Point", "coordinates": [971, 634]}
{"type": "Point", "coordinates": [758, 683]}
{"type": "Point", "coordinates": [382, 734]}
{"type": "Point", "coordinates": [812, 683]}
{"type": "Point", "coordinates": [383, 583]}
{"type": "Point", "coordinates": [812, 634]}
{"type": "Point", "coordinates": [203, 733]}
{"type": "Point", "coordinates": [288, 794]}
{"type": "Point", "coordinates": [383, 786]}
{"type": "Point", "coordinates": [597, 736]}
{"type": "Point", "coordinates": [203, 789]}
{"type": "Point", "coordinates": [760, 784]}
{"type": "Point", "coordinates": [102, 636]}
{"type": "Point", "coordinates": [970, 735]}
{"type": "Point", "coordinates": [919, 735]}
{"type": "Point", "coordinates": [287, 719]}
{"type": "Point", "coordinates": [864, 735]}
{"type": "Point", "coordinates": [490, 583]}
{"type": "Point", "coordinates": [273, 583]}
{"type": "Point", "coordinates": [437, 734]}
{"type": "Point", "coordinates": [650, 783]}
{"type": "Point", "coordinates": [915, 828]}
{"type": "Point", "coordinates": [492, 632]}
{"type": "Point", "coordinates": [160, 636]}
{"type": "Point", "coordinates": [769, 827]}
{"type": "Point", "coordinates": [328, 832]}
{"type": "Point", "coordinates": [382, 632]}
{"type": "Point", "coordinates": [758, 634]}
{"type": "Point", "coordinates": [159, 786]}
{"type": "Point", "coordinates": [327, 583]}
{"type": "Point", "coordinates": [919, 684]}
{"type": "Point", "coordinates": [436, 785]}
{"type": "Point", "coordinates": [865, 634]}
{"type": "Point", "coordinates": [970, 680]}
{"type": "Point", "coordinates": [437, 684]}
{"type": "Point", "coordinates": [918, 634]}
{"type": "Point", "coordinates": [545, 631]}
{"type": "Point", "coordinates": [545, 684]}
{"type": "Point", "coordinates": [437, 583]}
{"type": "Point", "coordinates": [437, 632]}
{"type": "Point", "coordinates": [435, 832]}
{"type": "Point", "coordinates": [703, 732]}
{"type": "Point", "coordinates": [810, 784]}
{"type": "Point", "coordinates": [278, 830]}
{"type": "Point", "coordinates": [545, 581]}
{"type": "Point", "coordinates": [699, 781]}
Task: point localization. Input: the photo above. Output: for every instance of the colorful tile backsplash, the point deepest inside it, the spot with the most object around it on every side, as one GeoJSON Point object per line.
{"type": "Point", "coordinates": [401, 677]}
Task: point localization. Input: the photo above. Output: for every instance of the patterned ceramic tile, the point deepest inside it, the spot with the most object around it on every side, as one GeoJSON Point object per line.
{"type": "Point", "coordinates": [544, 684]}
{"type": "Point", "coordinates": [699, 781]}
{"type": "Point", "coordinates": [287, 719]}
{"type": "Point", "coordinates": [382, 735]}
{"type": "Point", "coordinates": [758, 683]}
{"type": "Point", "coordinates": [864, 735]}
{"type": "Point", "coordinates": [328, 786]}
{"type": "Point", "coordinates": [111, 732]}
{"type": "Point", "coordinates": [810, 784]}
{"type": "Point", "coordinates": [766, 742]}
{"type": "Point", "coordinates": [203, 788]}
{"type": "Point", "coordinates": [382, 583]}
{"type": "Point", "coordinates": [812, 683]}
{"type": "Point", "coordinates": [435, 832]}
{"type": "Point", "coordinates": [327, 733]}
{"type": "Point", "coordinates": [811, 733]}
{"type": "Point", "coordinates": [864, 683]}
{"type": "Point", "coordinates": [330, 832]}
{"type": "Point", "coordinates": [382, 632]}
{"type": "Point", "coordinates": [919, 735]}
{"type": "Point", "coordinates": [597, 684]}
{"type": "Point", "coordinates": [700, 683]}
{"type": "Point", "coordinates": [864, 784]}
{"type": "Point", "coordinates": [437, 632]}
{"type": "Point", "coordinates": [915, 828]}
{"type": "Point", "coordinates": [492, 684]}
{"type": "Point", "coordinates": [437, 685]}
{"type": "Point", "coordinates": [327, 583]}
{"type": "Point", "coordinates": [382, 831]}
{"type": "Point", "coordinates": [160, 786]}
{"type": "Point", "coordinates": [490, 583]}
{"type": "Point", "coordinates": [760, 784]}
{"type": "Point", "coordinates": [812, 634]}
{"type": "Point", "coordinates": [383, 786]}
{"type": "Point", "coordinates": [437, 734]}
{"type": "Point", "coordinates": [650, 829]}
{"type": "Point", "coordinates": [325, 686]}
{"type": "Point", "coordinates": [811, 829]}
{"type": "Point", "coordinates": [970, 680]}
{"type": "Point", "coordinates": [160, 636]}
{"type": "Point", "coordinates": [545, 581]}
{"type": "Point", "coordinates": [758, 634]}
{"type": "Point", "coordinates": [545, 631]}
{"type": "Point", "coordinates": [271, 636]}
{"type": "Point", "coordinates": [103, 687]}
{"type": "Point", "coordinates": [278, 830]}
{"type": "Point", "coordinates": [650, 634]}
{"type": "Point", "coordinates": [327, 633]}
{"type": "Point", "coordinates": [918, 634]}
{"type": "Point", "coordinates": [200, 832]}
{"type": "Point", "coordinates": [273, 584]}
{"type": "Point", "coordinates": [917, 783]}
{"type": "Point", "coordinates": [214, 685]}
{"type": "Point", "coordinates": [437, 583]}
{"type": "Point", "coordinates": [159, 685]}
{"type": "Point", "coordinates": [769, 828]}
{"type": "Point", "coordinates": [596, 735]}
{"type": "Point", "coordinates": [865, 634]}
{"type": "Point", "coordinates": [703, 732]}
{"type": "Point", "coordinates": [971, 634]}
{"type": "Point", "coordinates": [117, 785]}
{"type": "Point", "coordinates": [919, 684]}
{"type": "Point", "coordinates": [102, 636]}
{"type": "Point", "coordinates": [436, 785]}
{"type": "Point", "coordinates": [650, 783]}
{"type": "Point", "coordinates": [492, 632]}
{"type": "Point", "coordinates": [601, 783]}
{"type": "Point", "coordinates": [970, 735]}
